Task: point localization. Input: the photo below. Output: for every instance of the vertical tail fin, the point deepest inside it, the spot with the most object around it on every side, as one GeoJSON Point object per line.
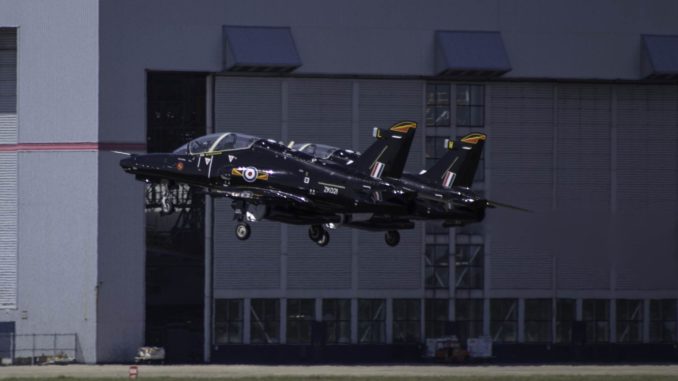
{"type": "Point", "coordinates": [386, 157]}
{"type": "Point", "coordinates": [459, 164]}
{"type": "Point", "coordinates": [473, 144]}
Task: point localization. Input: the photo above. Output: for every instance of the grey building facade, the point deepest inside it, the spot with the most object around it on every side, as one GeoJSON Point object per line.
{"type": "Point", "coordinates": [579, 101]}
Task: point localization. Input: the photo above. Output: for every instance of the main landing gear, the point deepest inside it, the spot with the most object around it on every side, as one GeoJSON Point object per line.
{"type": "Point", "coordinates": [319, 235]}
{"type": "Point", "coordinates": [392, 238]}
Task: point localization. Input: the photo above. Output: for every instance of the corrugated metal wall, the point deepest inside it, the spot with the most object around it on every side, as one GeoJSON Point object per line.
{"type": "Point", "coordinates": [8, 230]}
{"type": "Point", "coordinates": [646, 197]}
{"type": "Point", "coordinates": [520, 162]}
{"type": "Point", "coordinates": [597, 164]}
{"type": "Point", "coordinates": [339, 112]}
{"type": "Point", "coordinates": [8, 168]}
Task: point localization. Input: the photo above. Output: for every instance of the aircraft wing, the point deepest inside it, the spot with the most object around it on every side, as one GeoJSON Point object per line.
{"type": "Point", "coordinates": [264, 196]}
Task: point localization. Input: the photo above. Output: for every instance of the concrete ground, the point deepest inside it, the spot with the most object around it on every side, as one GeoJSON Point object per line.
{"type": "Point", "coordinates": [227, 371]}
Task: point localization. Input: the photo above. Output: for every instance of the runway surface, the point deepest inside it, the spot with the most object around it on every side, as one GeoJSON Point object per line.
{"type": "Point", "coordinates": [228, 371]}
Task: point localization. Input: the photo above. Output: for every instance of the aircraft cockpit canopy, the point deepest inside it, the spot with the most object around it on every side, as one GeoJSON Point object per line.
{"type": "Point", "coordinates": [227, 141]}
{"type": "Point", "coordinates": [320, 151]}
{"type": "Point", "coordinates": [323, 151]}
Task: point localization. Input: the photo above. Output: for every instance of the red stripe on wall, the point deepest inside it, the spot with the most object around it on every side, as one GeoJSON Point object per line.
{"type": "Point", "coordinates": [104, 146]}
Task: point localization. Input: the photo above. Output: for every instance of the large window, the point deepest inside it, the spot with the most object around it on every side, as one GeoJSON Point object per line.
{"type": "Point", "coordinates": [437, 266]}
{"type": "Point", "coordinates": [8, 75]}
{"type": "Point", "coordinates": [337, 317]}
{"type": "Point", "coordinates": [371, 321]}
{"type": "Point", "coordinates": [629, 321]}
{"type": "Point", "coordinates": [596, 314]}
{"type": "Point", "coordinates": [406, 320]}
{"type": "Point", "coordinates": [265, 321]}
{"type": "Point", "coordinates": [176, 111]}
{"type": "Point", "coordinates": [469, 318]}
{"type": "Point", "coordinates": [468, 263]}
{"type": "Point", "coordinates": [438, 105]}
{"type": "Point", "coordinates": [228, 321]}
{"type": "Point", "coordinates": [436, 319]}
{"type": "Point", "coordinates": [538, 318]}
{"type": "Point", "coordinates": [566, 314]}
{"type": "Point", "coordinates": [504, 320]}
{"type": "Point", "coordinates": [435, 149]}
{"type": "Point", "coordinates": [300, 314]}
{"type": "Point", "coordinates": [663, 321]}
{"type": "Point", "coordinates": [470, 105]}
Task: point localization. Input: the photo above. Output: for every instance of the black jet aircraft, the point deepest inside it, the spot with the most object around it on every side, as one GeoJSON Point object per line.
{"type": "Point", "coordinates": [443, 191]}
{"type": "Point", "coordinates": [267, 180]}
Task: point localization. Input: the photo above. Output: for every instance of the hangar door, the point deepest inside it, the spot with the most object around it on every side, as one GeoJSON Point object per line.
{"type": "Point", "coordinates": [338, 112]}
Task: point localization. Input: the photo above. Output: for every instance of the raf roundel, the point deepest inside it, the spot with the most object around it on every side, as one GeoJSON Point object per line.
{"type": "Point", "coordinates": [250, 174]}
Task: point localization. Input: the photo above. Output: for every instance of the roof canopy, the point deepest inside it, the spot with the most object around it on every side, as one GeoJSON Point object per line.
{"type": "Point", "coordinates": [659, 56]}
{"type": "Point", "coordinates": [470, 54]}
{"type": "Point", "coordinates": [260, 49]}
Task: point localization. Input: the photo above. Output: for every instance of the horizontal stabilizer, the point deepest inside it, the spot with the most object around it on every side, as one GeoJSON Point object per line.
{"type": "Point", "coordinates": [495, 204]}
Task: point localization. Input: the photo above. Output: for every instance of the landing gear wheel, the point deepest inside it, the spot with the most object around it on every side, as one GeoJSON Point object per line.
{"type": "Point", "coordinates": [242, 231]}
{"type": "Point", "coordinates": [324, 239]}
{"type": "Point", "coordinates": [392, 238]}
{"type": "Point", "coordinates": [315, 232]}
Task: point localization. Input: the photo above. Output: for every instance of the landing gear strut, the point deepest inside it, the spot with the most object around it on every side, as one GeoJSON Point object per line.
{"type": "Point", "coordinates": [242, 231]}
{"type": "Point", "coordinates": [319, 235]}
{"type": "Point", "coordinates": [392, 238]}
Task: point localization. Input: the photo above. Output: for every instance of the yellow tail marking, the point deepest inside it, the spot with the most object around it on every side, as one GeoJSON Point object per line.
{"type": "Point", "coordinates": [473, 138]}
{"type": "Point", "coordinates": [403, 127]}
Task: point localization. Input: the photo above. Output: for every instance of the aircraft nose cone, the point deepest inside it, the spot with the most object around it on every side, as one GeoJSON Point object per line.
{"type": "Point", "coordinates": [127, 163]}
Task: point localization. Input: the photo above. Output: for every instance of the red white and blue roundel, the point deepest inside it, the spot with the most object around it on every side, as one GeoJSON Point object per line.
{"type": "Point", "coordinates": [250, 174]}
{"type": "Point", "coordinates": [448, 179]}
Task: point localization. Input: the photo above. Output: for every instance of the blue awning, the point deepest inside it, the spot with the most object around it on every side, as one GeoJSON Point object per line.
{"type": "Point", "coordinates": [474, 54]}
{"type": "Point", "coordinates": [660, 57]}
{"type": "Point", "coordinates": [260, 49]}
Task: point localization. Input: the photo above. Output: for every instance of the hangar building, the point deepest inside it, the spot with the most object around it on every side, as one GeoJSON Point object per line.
{"type": "Point", "coordinates": [579, 101]}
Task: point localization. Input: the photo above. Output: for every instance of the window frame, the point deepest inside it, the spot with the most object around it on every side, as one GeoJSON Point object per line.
{"type": "Point", "coordinates": [226, 324]}
{"type": "Point", "coordinates": [565, 322]}
{"type": "Point", "coordinates": [594, 322]}
{"type": "Point", "coordinates": [509, 319]}
{"type": "Point", "coordinates": [341, 319]}
{"type": "Point", "coordinates": [411, 319]}
{"type": "Point", "coordinates": [462, 269]}
{"type": "Point", "coordinates": [437, 104]}
{"type": "Point", "coordinates": [629, 316]}
{"type": "Point", "coordinates": [268, 322]}
{"type": "Point", "coordinates": [470, 105]}
{"type": "Point", "coordinates": [660, 324]}
{"type": "Point", "coordinates": [296, 324]}
{"type": "Point", "coordinates": [371, 328]}
{"type": "Point", "coordinates": [540, 317]}
{"type": "Point", "coordinates": [439, 271]}
{"type": "Point", "coordinates": [435, 326]}
{"type": "Point", "coordinates": [469, 325]}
